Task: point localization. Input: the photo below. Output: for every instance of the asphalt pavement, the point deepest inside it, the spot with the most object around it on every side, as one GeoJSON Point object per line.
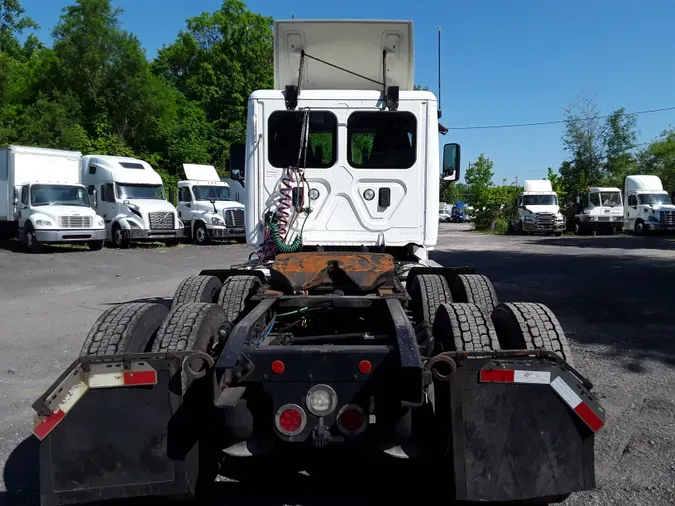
{"type": "Point", "coordinates": [613, 296]}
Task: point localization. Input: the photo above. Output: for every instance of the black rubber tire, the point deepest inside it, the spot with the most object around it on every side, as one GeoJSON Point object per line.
{"type": "Point", "coordinates": [32, 244]}
{"type": "Point", "coordinates": [95, 245]}
{"type": "Point", "coordinates": [235, 296]}
{"type": "Point", "coordinates": [197, 289]}
{"type": "Point", "coordinates": [206, 239]}
{"type": "Point", "coordinates": [428, 291]}
{"type": "Point", "coordinates": [477, 289]}
{"type": "Point", "coordinates": [191, 326]}
{"type": "Point", "coordinates": [126, 328]}
{"type": "Point", "coordinates": [194, 327]}
{"type": "Point", "coordinates": [123, 243]}
{"type": "Point", "coordinates": [530, 326]}
{"type": "Point", "coordinates": [462, 326]}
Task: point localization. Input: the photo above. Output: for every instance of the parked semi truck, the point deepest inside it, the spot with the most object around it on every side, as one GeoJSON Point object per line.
{"type": "Point", "coordinates": [648, 206]}
{"type": "Point", "coordinates": [129, 195]}
{"type": "Point", "coordinates": [206, 206]}
{"type": "Point", "coordinates": [42, 200]}
{"type": "Point", "coordinates": [340, 331]}
{"type": "Point", "coordinates": [538, 210]}
{"type": "Point", "coordinates": [599, 209]}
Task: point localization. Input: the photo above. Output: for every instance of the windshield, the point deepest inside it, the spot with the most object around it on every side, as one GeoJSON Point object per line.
{"type": "Point", "coordinates": [654, 198]}
{"type": "Point", "coordinates": [540, 200]}
{"type": "Point", "coordinates": [610, 199]}
{"type": "Point", "coordinates": [58, 195]}
{"type": "Point", "coordinates": [212, 193]}
{"type": "Point", "coordinates": [140, 191]}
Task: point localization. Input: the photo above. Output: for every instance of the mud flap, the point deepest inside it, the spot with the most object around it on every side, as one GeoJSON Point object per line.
{"type": "Point", "coordinates": [521, 429]}
{"type": "Point", "coordinates": [115, 427]}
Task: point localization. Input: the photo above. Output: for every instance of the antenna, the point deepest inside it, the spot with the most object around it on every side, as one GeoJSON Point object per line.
{"type": "Point", "coordinates": [439, 73]}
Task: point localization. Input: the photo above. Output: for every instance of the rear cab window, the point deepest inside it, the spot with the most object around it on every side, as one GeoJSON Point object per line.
{"type": "Point", "coordinates": [382, 140]}
{"type": "Point", "coordinates": [283, 137]}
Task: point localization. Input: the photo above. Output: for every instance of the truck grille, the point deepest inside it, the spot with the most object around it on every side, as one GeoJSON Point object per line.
{"type": "Point", "coordinates": [234, 218]}
{"type": "Point", "coordinates": [75, 221]}
{"type": "Point", "coordinates": [603, 218]}
{"type": "Point", "coordinates": [667, 218]}
{"type": "Point", "coordinates": [161, 221]}
{"type": "Point", "coordinates": [545, 221]}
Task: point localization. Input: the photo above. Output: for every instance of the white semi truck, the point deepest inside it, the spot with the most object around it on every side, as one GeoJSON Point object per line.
{"type": "Point", "coordinates": [342, 333]}
{"type": "Point", "coordinates": [130, 200]}
{"type": "Point", "coordinates": [596, 210]}
{"type": "Point", "coordinates": [538, 209]}
{"type": "Point", "coordinates": [648, 206]}
{"type": "Point", "coordinates": [206, 206]}
{"type": "Point", "coordinates": [42, 199]}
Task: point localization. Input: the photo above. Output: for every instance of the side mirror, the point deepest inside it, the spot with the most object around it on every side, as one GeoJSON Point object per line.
{"type": "Point", "coordinates": [451, 162]}
{"type": "Point", "coordinates": [172, 196]}
{"type": "Point", "coordinates": [94, 199]}
{"type": "Point", "coordinates": [238, 160]}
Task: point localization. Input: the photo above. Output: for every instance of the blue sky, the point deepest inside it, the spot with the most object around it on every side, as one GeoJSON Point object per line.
{"type": "Point", "coordinates": [504, 61]}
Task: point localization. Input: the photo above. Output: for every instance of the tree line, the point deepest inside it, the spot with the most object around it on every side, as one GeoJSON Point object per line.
{"type": "Point", "coordinates": [94, 90]}
{"type": "Point", "coordinates": [602, 151]}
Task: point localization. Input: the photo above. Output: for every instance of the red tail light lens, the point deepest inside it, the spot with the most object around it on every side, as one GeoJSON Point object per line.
{"type": "Point", "coordinates": [352, 420]}
{"type": "Point", "coordinates": [290, 419]}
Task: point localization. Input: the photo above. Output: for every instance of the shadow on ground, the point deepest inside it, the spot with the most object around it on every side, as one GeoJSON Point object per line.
{"type": "Point", "coordinates": [625, 242]}
{"type": "Point", "coordinates": [625, 303]}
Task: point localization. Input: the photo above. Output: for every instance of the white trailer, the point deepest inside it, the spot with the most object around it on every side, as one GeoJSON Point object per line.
{"type": "Point", "coordinates": [43, 201]}
{"type": "Point", "coordinates": [206, 206]}
{"type": "Point", "coordinates": [648, 206]}
{"type": "Point", "coordinates": [538, 209]}
{"type": "Point", "coordinates": [130, 200]}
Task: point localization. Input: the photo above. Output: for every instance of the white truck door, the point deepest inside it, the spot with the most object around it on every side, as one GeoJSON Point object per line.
{"type": "Point", "coordinates": [368, 172]}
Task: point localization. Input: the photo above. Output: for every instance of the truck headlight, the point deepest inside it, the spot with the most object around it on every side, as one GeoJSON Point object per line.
{"type": "Point", "coordinates": [43, 223]}
{"type": "Point", "coordinates": [100, 222]}
{"type": "Point", "coordinates": [217, 221]}
{"type": "Point", "coordinates": [653, 219]}
{"type": "Point", "coordinates": [530, 219]}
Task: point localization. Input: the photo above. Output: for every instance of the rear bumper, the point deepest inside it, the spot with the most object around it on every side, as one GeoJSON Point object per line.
{"type": "Point", "coordinates": [137, 234]}
{"type": "Point", "coordinates": [70, 235]}
{"type": "Point", "coordinates": [217, 232]}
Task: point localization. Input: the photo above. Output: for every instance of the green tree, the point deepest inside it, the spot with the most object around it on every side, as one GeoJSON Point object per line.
{"type": "Point", "coordinates": [620, 139]}
{"type": "Point", "coordinates": [478, 177]}
{"type": "Point", "coordinates": [218, 61]}
{"type": "Point", "coordinates": [658, 158]}
{"type": "Point", "coordinates": [14, 22]}
{"type": "Point", "coordinates": [557, 184]}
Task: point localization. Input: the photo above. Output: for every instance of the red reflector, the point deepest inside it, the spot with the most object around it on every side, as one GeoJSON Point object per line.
{"type": "Point", "coordinates": [140, 378]}
{"type": "Point", "coordinates": [290, 419]}
{"type": "Point", "coordinates": [278, 367]}
{"type": "Point", "coordinates": [351, 420]}
{"type": "Point", "coordinates": [48, 424]}
{"type": "Point", "coordinates": [591, 419]}
{"type": "Point", "coordinates": [365, 367]}
{"type": "Point", "coordinates": [497, 376]}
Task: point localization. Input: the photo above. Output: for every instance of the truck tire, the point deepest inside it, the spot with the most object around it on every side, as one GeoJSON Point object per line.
{"type": "Point", "coordinates": [195, 327]}
{"type": "Point", "coordinates": [201, 234]}
{"type": "Point", "coordinates": [197, 289]}
{"type": "Point", "coordinates": [117, 237]}
{"type": "Point", "coordinates": [95, 245]}
{"type": "Point", "coordinates": [235, 296]}
{"type": "Point", "coordinates": [530, 326]}
{"type": "Point", "coordinates": [126, 328]}
{"type": "Point", "coordinates": [30, 239]}
{"type": "Point", "coordinates": [428, 291]}
{"type": "Point", "coordinates": [475, 288]}
{"type": "Point", "coordinates": [462, 326]}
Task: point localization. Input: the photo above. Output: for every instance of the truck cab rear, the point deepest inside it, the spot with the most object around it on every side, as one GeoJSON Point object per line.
{"type": "Point", "coordinates": [339, 332]}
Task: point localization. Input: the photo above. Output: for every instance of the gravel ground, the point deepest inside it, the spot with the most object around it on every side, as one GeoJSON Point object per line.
{"type": "Point", "coordinates": [611, 295]}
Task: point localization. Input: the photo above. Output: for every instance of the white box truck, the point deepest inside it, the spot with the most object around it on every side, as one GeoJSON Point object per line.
{"type": "Point", "coordinates": [206, 206]}
{"type": "Point", "coordinates": [648, 206]}
{"type": "Point", "coordinates": [538, 209]}
{"type": "Point", "coordinates": [130, 200]}
{"type": "Point", "coordinates": [43, 201]}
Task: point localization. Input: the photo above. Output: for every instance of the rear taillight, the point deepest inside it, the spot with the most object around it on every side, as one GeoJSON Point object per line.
{"type": "Point", "coordinates": [352, 419]}
{"type": "Point", "coordinates": [290, 419]}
